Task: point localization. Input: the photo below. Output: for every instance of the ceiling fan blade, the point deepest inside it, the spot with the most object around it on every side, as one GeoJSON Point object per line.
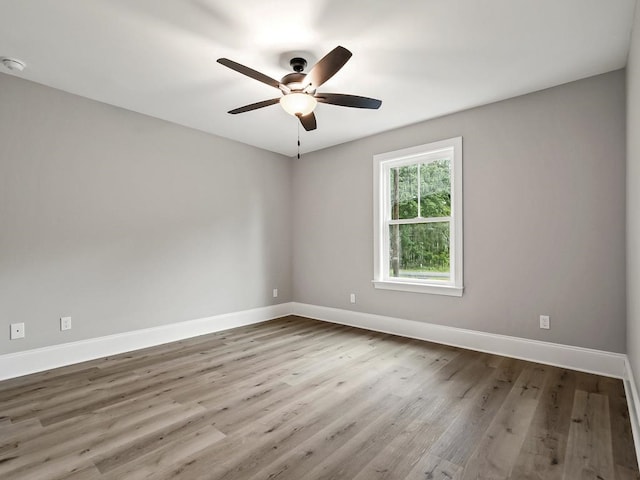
{"type": "Point", "coordinates": [348, 100]}
{"type": "Point", "coordinates": [249, 72]}
{"type": "Point", "coordinates": [255, 106]}
{"type": "Point", "coordinates": [327, 66]}
{"type": "Point", "coordinates": [308, 121]}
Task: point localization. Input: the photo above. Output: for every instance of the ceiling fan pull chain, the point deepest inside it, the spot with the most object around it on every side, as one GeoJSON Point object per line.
{"type": "Point", "coordinates": [298, 140]}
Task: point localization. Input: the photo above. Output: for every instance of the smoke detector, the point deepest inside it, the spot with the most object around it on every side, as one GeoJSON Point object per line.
{"type": "Point", "coordinates": [13, 64]}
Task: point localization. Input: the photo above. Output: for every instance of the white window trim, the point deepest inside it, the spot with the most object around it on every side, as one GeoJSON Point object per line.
{"type": "Point", "coordinates": [381, 277]}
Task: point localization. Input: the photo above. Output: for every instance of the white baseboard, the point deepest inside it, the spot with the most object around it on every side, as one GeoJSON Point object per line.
{"type": "Point", "coordinates": [633, 404]}
{"type": "Point", "coordinates": [45, 358]}
{"type": "Point", "coordinates": [566, 356]}
{"type": "Point", "coordinates": [576, 358]}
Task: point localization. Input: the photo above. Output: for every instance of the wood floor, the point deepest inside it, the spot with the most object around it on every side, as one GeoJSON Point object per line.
{"type": "Point", "coordinates": [300, 399]}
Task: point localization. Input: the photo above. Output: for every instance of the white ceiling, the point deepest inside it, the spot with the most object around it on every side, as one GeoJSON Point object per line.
{"type": "Point", "coordinates": [422, 58]}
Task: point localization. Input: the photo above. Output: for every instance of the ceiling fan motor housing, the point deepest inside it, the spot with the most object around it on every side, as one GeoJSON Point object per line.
{"type": "Point", "coordinates": [293, 80]}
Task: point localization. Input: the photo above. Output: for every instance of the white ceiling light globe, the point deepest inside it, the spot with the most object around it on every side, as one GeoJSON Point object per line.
{"type": "Point", "coordinates": [298, 104]}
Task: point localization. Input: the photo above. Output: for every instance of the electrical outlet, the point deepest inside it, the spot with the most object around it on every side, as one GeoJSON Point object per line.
{"type": "Point", "coordinates": [17, 331]}
{"type": "Point", "coordinates": [544, 322]}
{"type": "Point", "coordinates": [275, 293]}
{"type": "Point", "coordinates": [352, 298]}
{"type": "Point", "coordinates": [65, 323]}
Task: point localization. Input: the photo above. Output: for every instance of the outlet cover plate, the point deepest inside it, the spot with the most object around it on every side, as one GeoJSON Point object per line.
{"type": "Point", "coordinates": [65, 323]}
{"type": "Point", "coordinates": [544, 322]}
{"type": "Point", "coordinates": [17, 331]}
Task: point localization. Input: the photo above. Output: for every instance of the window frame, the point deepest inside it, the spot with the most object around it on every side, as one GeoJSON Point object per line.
{"type": "Point", "coordinates": [382, 164]}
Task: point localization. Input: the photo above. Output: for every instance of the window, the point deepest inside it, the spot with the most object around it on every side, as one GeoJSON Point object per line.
{"type": "Point", "coordinates": [418, 218]}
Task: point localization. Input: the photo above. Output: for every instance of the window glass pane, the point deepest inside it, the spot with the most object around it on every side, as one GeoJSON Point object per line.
{"type": "Point", "coordinates": [435, 189]}
{"type": "Point", "coordinates": [420, 250]}
{"type": "Point", "coordinates": [403, 190]}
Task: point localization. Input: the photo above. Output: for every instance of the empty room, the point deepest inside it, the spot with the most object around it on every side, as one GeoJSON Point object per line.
{"type": "Point", "coordinates": [355, 240]}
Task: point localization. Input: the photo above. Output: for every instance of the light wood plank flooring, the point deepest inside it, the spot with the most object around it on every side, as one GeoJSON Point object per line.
{"type": "Point", "coordinates": [299, 399]}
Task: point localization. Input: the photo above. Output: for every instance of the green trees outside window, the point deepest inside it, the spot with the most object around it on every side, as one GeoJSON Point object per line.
{"type": "Point", "coordinates": [420, 227]}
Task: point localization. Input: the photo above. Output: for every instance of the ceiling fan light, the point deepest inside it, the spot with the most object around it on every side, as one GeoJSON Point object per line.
{"type": "Point", "coordinates": [298, 104]}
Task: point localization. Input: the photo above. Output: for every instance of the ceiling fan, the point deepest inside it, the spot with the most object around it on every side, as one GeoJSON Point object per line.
{"type": "Point", "coordinates": [299, 90]}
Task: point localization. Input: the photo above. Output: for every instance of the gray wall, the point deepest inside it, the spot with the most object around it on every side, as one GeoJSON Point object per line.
{"type": "Point", "coordinates": [124, 222]}
{"type": "Point", "coordinates": [633, 201]}
{"type": "Point", "coordinates": [544, 221]}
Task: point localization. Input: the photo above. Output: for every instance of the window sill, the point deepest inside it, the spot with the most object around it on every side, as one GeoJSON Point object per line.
{"type": "Point", "coordinates": [419, 288]}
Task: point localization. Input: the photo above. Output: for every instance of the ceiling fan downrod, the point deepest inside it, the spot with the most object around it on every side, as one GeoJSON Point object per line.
{"type": "Point", "coordinates": [298, 64]}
